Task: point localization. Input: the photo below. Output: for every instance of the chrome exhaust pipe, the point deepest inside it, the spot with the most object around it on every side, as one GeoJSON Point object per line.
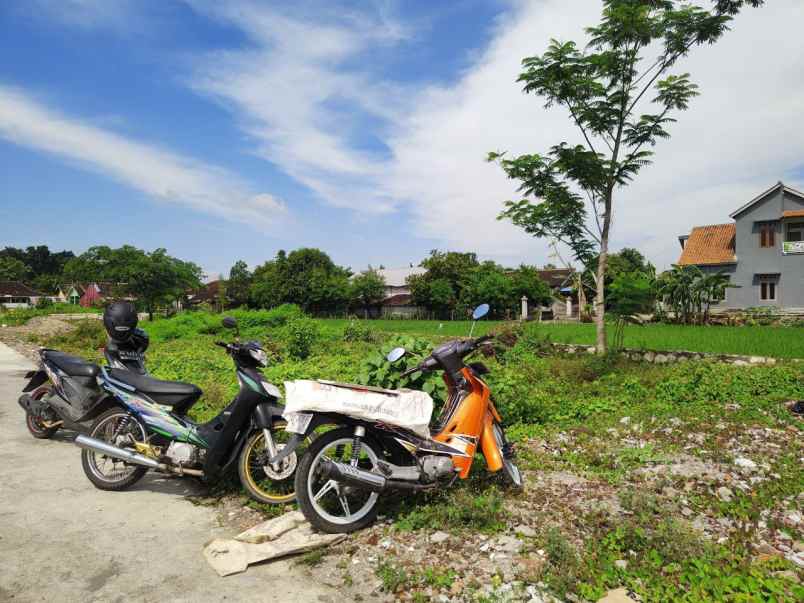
{"type": "Point", "coordinates": [341, 472]}
{"type": "Point", "coordinates": [135, 458]}
{"type": "Point", "coordinates": [101, 447]}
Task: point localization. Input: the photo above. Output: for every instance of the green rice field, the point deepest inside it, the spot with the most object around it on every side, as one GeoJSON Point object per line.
{"type": "Point", "coordinates": [779, 342]}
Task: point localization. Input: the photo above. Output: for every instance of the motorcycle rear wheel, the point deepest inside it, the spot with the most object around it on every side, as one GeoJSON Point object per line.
{"type": "Point", "coordinates": [328, 504]}
{"type": "Point", "coordinates": [35, 425]}
{"type": "Point", "coordinates": [96, 465]}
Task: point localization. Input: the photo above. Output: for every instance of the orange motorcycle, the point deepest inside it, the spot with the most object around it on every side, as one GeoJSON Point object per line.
{"type": "Point", "coordinates": [342, 473]}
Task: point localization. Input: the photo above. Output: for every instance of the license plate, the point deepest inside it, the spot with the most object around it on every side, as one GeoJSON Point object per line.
{"type": "Point", "coordinates": [297, 422]}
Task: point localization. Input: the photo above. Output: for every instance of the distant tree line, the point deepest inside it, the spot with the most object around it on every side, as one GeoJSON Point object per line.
{"type": "Point", "coordinates": [452, 284]}
{"type": "Point", "coordinates": [154, 278]}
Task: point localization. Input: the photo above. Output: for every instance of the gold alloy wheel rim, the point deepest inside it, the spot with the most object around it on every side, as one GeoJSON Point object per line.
{"type": "Point", "coordinates": [284, 498]}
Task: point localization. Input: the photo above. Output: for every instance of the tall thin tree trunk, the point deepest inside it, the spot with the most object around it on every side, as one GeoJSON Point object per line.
{"type": "Point", "coordinates": [600, 296]}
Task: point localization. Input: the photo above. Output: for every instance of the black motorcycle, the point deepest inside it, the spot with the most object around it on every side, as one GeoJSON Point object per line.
{"type": "Point", "coordinates": [64, 390]}
{"type": "Point", "coordinates": [143, 425]}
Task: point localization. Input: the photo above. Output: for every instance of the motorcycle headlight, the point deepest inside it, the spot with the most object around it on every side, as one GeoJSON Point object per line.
{"type": "Point", "coordinates": [272, 389]}
{"type": "Point", "coordinates": [259, 355]}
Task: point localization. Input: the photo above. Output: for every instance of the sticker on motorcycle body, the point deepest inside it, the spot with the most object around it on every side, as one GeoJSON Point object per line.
{"type": "Point", "coordinates": [297, 422]}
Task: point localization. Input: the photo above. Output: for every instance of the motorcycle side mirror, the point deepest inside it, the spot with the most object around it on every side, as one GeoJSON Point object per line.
{"type": "Point", "coordinates": [477, 314]}
{"type": "Point", "coordinates": [395, 354]}
{"type": "Point", "coordinates": [480, 311]}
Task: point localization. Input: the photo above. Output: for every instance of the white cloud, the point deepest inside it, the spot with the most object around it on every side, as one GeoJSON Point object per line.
{"type": "Point", "coordinates": [738, 138]}
{"type": "Point", "coordinates": [158, 172]}
{"type": "Point", "coordinates": [295, 93]}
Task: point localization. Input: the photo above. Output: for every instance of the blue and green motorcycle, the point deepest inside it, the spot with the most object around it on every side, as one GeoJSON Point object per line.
{"type": "Point", "coordinates": [146, 427]}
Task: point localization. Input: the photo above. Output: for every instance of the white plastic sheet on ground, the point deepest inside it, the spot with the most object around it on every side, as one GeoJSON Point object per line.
{"type": "Point", "coordinates": [403, 407]}
{"type": "Point", "coordinates": [288, 534]}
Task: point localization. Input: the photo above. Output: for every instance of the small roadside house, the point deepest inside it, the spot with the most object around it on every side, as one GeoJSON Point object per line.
{"type": "Point", "coordinates": [14, 294]}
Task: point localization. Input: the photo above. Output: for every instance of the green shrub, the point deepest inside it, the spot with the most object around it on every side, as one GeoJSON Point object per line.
{"type": "Point", "coordinates": [377, 371]}
{"type": "Point", "coordinates": [273, 318]}
{"type": "Point", "coordinates": [44, 303]}
{"type": "Point", "coordinates": [184, 325]}
{"type": "Point", "coordinates": [711, 382]}
{"type": "Point", "coordinates": [358, 330]}
{"type": "Point", "coordinates": [300, 334]}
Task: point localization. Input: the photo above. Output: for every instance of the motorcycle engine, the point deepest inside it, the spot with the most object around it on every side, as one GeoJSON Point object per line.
{"type": "Point", "coordinates": [435, 467]}
{"type": "Point", "coordinates": [181, 453]}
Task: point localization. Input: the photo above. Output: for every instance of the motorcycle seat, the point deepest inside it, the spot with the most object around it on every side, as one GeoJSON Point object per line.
{"type": "Point", "coordinates": [177, 394]}
{"type": "Point", "coordinates": [71, 365]}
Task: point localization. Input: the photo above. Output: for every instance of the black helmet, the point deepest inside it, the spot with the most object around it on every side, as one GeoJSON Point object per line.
{"type": "Point", "coordinates": [120, 320]}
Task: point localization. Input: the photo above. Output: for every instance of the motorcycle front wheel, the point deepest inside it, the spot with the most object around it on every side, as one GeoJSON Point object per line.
{"type": "Point", "coordinates": [264, 482]}
{"type": "Point", "coordinates": [332, 506]}
{"type": "Point", "coordinates": [513, 476]}
{"type": "Point", "coordinates": [118, 428]}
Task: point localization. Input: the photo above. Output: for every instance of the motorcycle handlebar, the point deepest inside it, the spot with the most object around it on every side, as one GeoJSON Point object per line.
{"type": "Point", "coordinates": [464, 348]}
{"type": "Point", "coordinates": [410, 371]}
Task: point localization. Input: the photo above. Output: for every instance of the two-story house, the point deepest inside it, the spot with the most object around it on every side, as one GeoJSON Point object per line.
{"type": "Point", "coordinates": [762, 251]}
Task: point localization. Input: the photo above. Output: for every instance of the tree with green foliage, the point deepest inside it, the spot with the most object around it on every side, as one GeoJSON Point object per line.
{"type": "Point", "coordinates": [440, 288]}
{"type": "Point", "coordinates": [488, 283]}
{"type": "Point", "coordinates": [154, 278]}
{"type": "Point", "coordinates": [306, 277]}
{"type": "Point", "coordinates": [239, 284]}
{"type": "Point", "coordinates": [711, 288]}
{"type": "Point", "coordinates": [267, 282]}
{"type": "Point", "coordinates": [12, 269]}
{"type": "Point", "coordinates": [630, 293]}
{"type": "Point", "coordinates": [44, 266]}
{"type": "Point", "coordinates": [627, 261]}
{"type": "Point", "coordinates": [689, 292]}
{"type": "Point", "coordinates": [157, 279]}
{"type": "Point", "coordinates": [367, 290]}
{"type": "Point", "coordinates": [526, 281]}
{"type": "Point", "coordinates": [604, 88]}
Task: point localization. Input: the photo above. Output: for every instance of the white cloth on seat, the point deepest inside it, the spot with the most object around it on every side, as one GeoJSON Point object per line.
{"type": "Point", "coordinates": [405, 408]}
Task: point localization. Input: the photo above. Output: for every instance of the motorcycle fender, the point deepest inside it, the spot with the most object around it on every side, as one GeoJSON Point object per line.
{"type": "Point", "coordinates": [297, 438]}
{"type": "Point", "coordinates": [266, 414]}
{"type": "Point", "coordinates": [488, 444]}
{"type": "Point", "coordinates": [37, 378]}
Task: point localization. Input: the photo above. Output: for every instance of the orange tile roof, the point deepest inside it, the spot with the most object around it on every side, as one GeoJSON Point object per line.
{"type": "Point", "coordinates": [793, 213]}
{"type": "Point", "coordinates": [709, 245]}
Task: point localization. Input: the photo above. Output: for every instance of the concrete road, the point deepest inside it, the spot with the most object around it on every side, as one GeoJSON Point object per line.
{"type": "Point", "coordinates": [62, 539]}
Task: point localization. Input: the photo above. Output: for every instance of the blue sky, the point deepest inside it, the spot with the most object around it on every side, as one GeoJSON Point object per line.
{"type": "Point", "coordinates": [227, 131]}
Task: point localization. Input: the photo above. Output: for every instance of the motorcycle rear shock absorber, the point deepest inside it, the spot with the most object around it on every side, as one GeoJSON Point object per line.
{"type": "Point", "coordinates": [360, 431]}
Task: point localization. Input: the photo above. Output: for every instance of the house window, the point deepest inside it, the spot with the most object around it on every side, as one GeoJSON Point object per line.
{"type": "Point", "coordinates": [795, 232]}
{"type": "Point", "coordinates": [767, 289]}
{"type": "Point", "coordinates": [767, 235]}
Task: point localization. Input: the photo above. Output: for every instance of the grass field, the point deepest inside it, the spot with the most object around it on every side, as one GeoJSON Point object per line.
{"type": "Point", "coordinates": [779, 342]}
